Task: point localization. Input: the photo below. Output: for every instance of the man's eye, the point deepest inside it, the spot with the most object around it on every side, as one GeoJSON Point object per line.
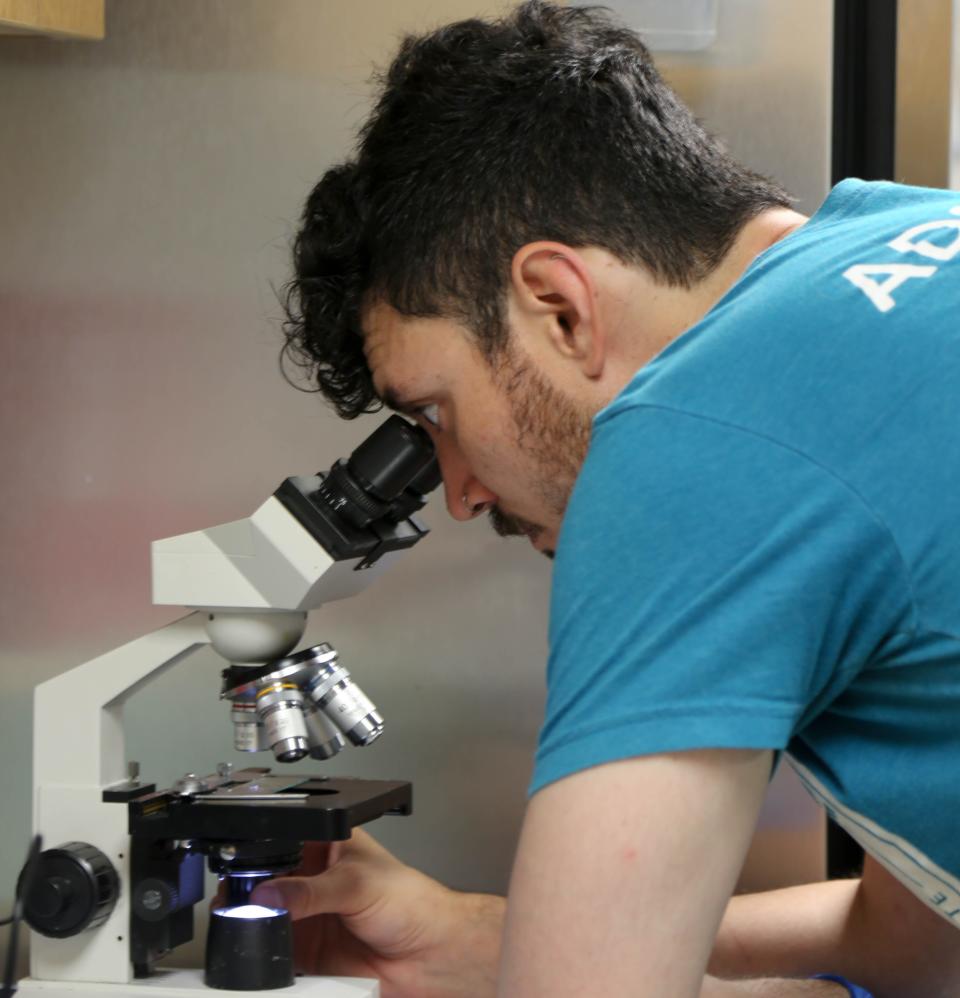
{"type": "Point", "coordinates": [431, 413]}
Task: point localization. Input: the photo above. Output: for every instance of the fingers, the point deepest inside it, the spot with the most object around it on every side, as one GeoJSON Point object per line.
{"type": "Point", "coordinates": [320, 856]}
{"type": "Point", "coordinates": [342, 890]}
{"type": "Point", "coordinates": [340, 878]}
{"type": "Point", "coordinates": [317, 857]}
{"type": "Point", "coordinates": [362, 843]}
{"type": "Point", "coordinates": [302, 897]}
{"type": "Point", "coordinates": [291, 893]}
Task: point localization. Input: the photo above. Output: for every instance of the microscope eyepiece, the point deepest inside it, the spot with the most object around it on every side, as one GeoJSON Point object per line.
{"type": "Point", "coordinates": [427, 480]}
{"type": "Point", "coordinates": [387, 476]}
{"type": "Point", "coordinates": [391, 458]}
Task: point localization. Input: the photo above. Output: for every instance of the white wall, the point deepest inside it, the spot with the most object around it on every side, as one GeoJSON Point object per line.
{"type": "Point", "coordinates": [149, 185]}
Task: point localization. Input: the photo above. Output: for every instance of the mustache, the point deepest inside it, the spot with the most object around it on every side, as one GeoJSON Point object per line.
{"type": "Point", "coordinates": [515, 526]}
{"type": "Point", "coordinates": [506, 525]}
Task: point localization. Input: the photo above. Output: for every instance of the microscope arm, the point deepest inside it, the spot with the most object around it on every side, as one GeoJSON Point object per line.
{"type": "Point", "coordinates": [78, 750]}
{"type": "Point", "coordinates": [78, 737]}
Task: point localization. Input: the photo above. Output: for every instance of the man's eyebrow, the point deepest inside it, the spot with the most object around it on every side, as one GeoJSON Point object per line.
{"type": "Point", "coordinates": [392, 400]}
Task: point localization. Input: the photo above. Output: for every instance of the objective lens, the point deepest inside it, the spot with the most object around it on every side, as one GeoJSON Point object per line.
{"type": "Point", "coordinates": [302, 704]}
{"type": "Point", "coordinates": [280, 711]}
{"type": "Point", "coordinates": [343, 702]}
{"type": "Point", "coordinates": [325, 740]}
{"type": "Point", "coordinates": [245, 731]}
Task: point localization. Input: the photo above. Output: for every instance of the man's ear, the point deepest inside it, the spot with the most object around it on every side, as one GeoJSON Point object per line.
{"type": "Point", "coordinates": [554, 293]}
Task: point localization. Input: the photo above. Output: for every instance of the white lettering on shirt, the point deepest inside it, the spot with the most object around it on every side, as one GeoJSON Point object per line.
{"type": "Point", "coordinates": [904, 243]}
{"type": "Point", "coordinates": [862, 275]}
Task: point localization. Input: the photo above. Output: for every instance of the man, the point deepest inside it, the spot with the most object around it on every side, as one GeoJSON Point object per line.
{"type": "Point", "coordinates": [736, 430]}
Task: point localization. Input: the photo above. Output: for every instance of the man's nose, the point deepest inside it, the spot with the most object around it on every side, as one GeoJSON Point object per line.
{"type": "Point", "coordinates": [466, 495]}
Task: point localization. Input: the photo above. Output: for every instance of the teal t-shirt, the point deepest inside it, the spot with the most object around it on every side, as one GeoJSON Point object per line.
{"type": "Point", "coordinates": [763, 547]}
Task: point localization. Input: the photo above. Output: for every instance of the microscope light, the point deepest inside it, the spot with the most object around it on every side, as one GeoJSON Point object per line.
{"type": "Point", "coordinates": [249, 948]}
{"type": "Point", "coordinates": [249, 911]}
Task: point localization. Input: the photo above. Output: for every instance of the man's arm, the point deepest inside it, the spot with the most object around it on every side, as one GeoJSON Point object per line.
{"type": "Point", "coordinates": [873, 931]}
{"type": "Point", "coordinates": [423, 940]}
{"type": "Point", "coordinates": [793, 931]}
{"type": "Point", "coordinates": [623, 872]}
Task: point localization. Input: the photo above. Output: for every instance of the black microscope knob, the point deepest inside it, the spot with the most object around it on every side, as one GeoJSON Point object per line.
{"type": "Point", "coordinates": [74, 888]}
{"type": "Point", "coordinates": [154, 899]}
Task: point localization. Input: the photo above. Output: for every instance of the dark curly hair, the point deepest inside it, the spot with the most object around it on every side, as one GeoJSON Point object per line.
{"type": "Point", "coordinates": [551, 123]}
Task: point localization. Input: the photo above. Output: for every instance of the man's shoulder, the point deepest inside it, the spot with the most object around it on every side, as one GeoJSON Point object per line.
{"type": "Point", "coordinates": [861, 298]}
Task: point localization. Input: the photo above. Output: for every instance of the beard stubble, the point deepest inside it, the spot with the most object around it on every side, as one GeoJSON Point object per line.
{"type": "Point", "coordinates": [553, 434]}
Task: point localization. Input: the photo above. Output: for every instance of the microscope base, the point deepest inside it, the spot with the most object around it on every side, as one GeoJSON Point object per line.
{"type": "Point", "coordinates": [189, 984]}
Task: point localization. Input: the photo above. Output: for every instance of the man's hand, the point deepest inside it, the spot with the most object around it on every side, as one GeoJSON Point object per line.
{"type": "Point", "coordinates": [360, 912]}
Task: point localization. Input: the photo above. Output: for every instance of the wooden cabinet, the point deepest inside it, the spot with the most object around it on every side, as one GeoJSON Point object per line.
{"type": "Point", "coordinates": [56, 18]}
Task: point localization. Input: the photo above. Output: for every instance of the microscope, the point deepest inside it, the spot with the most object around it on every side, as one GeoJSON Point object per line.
{"type": "Point", "coordinates": [118, 889]}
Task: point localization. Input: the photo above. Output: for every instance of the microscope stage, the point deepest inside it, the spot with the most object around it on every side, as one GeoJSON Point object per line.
{"type": "Point", "coordinates": [257, 804]}
{"type": "Point", "coordinates": [189, 984]}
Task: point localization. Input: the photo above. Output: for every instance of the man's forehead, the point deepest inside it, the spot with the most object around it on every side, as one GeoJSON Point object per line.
{"type": "Point", "coordinates": [379, 329]}
{"type": "Point", "coordinates": [373, 320]}
{"type": "Point", "coordinates": [411, 356]}
{"type": "Point", "coordinates": [387, 345]}
{"type": "Point", "coordinates": [389, 337]}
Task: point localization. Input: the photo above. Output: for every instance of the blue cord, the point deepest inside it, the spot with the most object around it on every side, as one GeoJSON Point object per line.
{"type": "Point", "coordinates": [855, 990]}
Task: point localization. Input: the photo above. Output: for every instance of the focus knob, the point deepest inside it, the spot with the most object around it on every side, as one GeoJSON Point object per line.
{"type": "Point", "coordinates": [74, 888]}
{"type": "Point", "coordinates": [155, 899]}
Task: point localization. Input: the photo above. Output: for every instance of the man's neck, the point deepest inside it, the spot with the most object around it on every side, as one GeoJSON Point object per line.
{"type": "Point", "coordinates": [757, 235]}
{"type": "Point", "coordinates": [640, 316]}
{"type": "Point", "coordinates": [656, 315]}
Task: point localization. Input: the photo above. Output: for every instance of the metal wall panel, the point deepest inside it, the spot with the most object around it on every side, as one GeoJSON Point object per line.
{"type": "Point", "coordinates": [764, 85]}
{"type": "Point", "coordinates": [928, 93]}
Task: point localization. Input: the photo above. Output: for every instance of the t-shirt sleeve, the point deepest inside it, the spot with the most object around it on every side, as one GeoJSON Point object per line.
{"type": "Point", "coordinates": [712, 589]}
